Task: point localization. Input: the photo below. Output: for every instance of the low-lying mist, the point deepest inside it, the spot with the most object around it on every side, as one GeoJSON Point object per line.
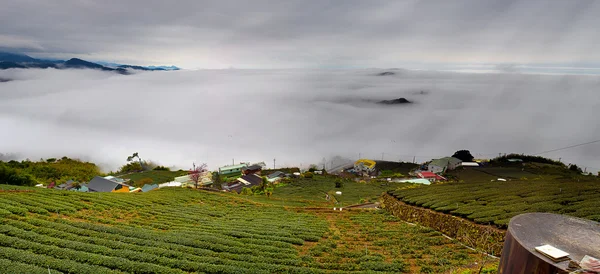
{"type": "Point", "coordinates": [297, 117]}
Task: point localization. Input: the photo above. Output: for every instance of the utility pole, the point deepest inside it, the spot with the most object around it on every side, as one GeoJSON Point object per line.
{"type": "Point", "coordinates": [359, 155]}
{"type": "Point", "coordinates": [382, 155]}
{"type": "Point", "coordinates": [233, 161]}
{"type": "Point", "coordinates": [273, 163]}
{"type": "Point", "coordinates": [414, 158]}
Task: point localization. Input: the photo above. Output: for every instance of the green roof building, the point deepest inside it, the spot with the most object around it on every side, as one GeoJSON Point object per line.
{"type": "Point", "coordinates": [226, 170]}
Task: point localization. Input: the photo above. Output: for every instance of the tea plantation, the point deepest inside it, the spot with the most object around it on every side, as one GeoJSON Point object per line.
{"type": "Point", "coordinates": [496, 202]}
{"type": "Point", "coordinates": [187, 231]}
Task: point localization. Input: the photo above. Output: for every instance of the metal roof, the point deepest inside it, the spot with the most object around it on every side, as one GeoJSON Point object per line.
{"type": "Point", "coordinates": [147, 187]}
{"type": "Point", "coordinates": [243, 182]}
{"type": "Point", "coordinates": [275, 174]}
{"type": "Point", "coordinates": [233, 167]}
{"type": "Point", "coordinates": [442, 162]}
{"type": "Point", "coordinates": [99, 184]}
{"type": "Point", "coordinates": [254, 167]}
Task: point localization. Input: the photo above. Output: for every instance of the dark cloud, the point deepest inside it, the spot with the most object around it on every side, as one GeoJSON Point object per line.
{"type": "Point", "coordinates": [305, 33]}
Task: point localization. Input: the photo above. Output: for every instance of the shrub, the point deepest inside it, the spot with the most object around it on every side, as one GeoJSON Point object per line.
{"type": "Point", "coordinates": [162, 168]}
{"type": "Point", "coordinates": [308, 175]}
{"type": "Point", "coordinates": [575, 168]}
{"type": "Point", "coordinates": [247, 191]}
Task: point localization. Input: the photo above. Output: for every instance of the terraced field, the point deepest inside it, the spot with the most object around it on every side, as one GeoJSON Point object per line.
{"type": "Point", "coordinates": [187, 231]}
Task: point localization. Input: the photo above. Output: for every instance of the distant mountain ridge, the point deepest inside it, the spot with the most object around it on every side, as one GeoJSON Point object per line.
{"type": "Point", "coordinates": [21, 61]}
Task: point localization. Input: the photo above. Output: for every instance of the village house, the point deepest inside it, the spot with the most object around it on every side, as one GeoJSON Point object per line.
{"type": "Point", "coordinates": [432, 177]}
{"type": "Point", "coordinates": [186, 180]}
{"type": "Point", "coordinates": [275, 176]}
{"type": "Point", "coordinates": [101, 184]}
{"type": "Point", "coordinates": [443, 164]}
{"type": "Point", "coordinates": [253, 169]}
{"type": "Point", "coordinates": [364, 166]}
{"type": "Point", "coordinates": [226, 170]}
{"type": "Point", "coordinates": [243, 182]}
{"type": "Point", "coordinates": [148, 187]}
{"type": "Point", "coordinates": [81, 188]}
{"type": "Point", "coordinates": [66, 185]}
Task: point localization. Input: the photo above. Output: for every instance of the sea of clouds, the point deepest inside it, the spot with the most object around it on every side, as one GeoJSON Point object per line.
{"type": "Point", "coordinates": [297, 117]}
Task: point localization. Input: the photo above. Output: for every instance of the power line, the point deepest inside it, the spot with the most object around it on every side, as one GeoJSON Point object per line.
{"type": "Point", "coordinates": [568, 147]}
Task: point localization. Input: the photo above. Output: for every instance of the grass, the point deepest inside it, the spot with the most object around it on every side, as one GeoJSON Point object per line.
{"type": "Point", "coordinates": [157, 176]}
{"type": "Point", "coordinates": [176, 230]}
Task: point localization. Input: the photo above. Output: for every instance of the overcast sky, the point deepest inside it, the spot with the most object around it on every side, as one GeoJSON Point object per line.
{"type": "Point", "coordinates": [305, 34]}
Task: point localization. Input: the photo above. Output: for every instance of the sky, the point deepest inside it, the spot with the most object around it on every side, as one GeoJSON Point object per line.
{"type": "Point", "coordinates": [297, 116]}
{"type": "Point", "coordinates": [295, 80]}
{"type": "Point", "coordinates": [322, 34]}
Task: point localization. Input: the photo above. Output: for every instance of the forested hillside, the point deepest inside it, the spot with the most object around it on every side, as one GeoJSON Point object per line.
{"type": "Point", "coordinates": [28, 173]}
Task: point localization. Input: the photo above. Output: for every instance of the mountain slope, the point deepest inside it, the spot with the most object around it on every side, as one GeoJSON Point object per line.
{"type": "Point", "coordinates": [17, 58]}
{"type": "Point", "coordinates": [8, 65]}
{"type": "Point", "coordinates": [22, 61]}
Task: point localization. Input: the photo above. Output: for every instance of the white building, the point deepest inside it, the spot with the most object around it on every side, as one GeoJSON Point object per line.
{"type": "Point", "coordinates": [443, 164]}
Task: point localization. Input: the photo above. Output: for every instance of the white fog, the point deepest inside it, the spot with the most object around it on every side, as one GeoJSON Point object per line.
{"type": "Point", "coordinates": [297, 117]}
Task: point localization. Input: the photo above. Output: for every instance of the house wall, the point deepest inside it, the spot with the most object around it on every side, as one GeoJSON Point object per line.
{"type": "Point", "coordinates": [230, 171]}
{"type": "Point", "coordinates": [452, 166]}
{"type": "Point", "coordinates": [123, 189]}
{"type": "Point", "coordinates": [248, 172]}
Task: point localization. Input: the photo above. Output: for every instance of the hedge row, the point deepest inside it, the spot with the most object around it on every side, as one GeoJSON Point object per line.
{"type": "Point", "coordinates": [485, 238]}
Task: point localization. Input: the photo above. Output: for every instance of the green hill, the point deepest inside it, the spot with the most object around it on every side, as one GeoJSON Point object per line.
{"type": "Point", "coordinates": [46, 171]}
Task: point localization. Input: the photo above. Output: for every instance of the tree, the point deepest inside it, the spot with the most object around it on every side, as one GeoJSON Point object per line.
{"type": "Point", "coordinates": [216, 178]}
{"type": "Point", "coordinates": [575, 168]}
{"type": "Point", "coordinates": [12, 176]}
{"type": "Point", "coordinates": [264, 183]}
{"type": "Point", "coordinates": [131, 167]}
{"type": "Point", "coordinates": [197, 172]}
{"type": "Point", "coordinates": [135, 155]}
{"type": "Point", "coordinates": [464, 155]}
